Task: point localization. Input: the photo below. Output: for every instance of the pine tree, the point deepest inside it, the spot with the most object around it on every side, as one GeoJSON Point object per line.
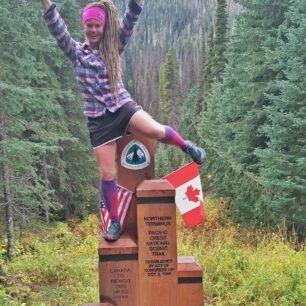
{"type": "Point", "coordinates": [168, 158]}
{"type": "Point", "coordinates": [163, 25]}
{"type": "Point", "coordinates": [220, 39]}
{"type": "Point", "coordinates": [169, 91]}
{"type": "Point", "coordinates": [231, 128]}
{"type": "Point", "coordinates": [208, 75]}
{"type": "Point", "coordinates": [16, 166]}
{"type": "Point", "coordinates": [43, 140]}
{"type": "Point", "coordinates": [7, 197]}
{"type": "Point", "coordinates": [189, 115]}
{"type": "Point", "coordinates": [201, 91]}
{"type": "Point", "coordinates": [283, 162]}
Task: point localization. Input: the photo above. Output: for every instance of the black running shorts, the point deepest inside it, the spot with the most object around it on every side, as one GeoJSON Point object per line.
{"type": "Point", "coordinates": [111, 126]}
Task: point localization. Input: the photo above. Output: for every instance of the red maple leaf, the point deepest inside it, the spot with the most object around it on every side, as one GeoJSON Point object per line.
{"type": "Point", "coordinates": [192, 194]}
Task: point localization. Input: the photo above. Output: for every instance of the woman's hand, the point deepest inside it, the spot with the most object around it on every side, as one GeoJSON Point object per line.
{"type": "Point", "coordinates": [46, 4]}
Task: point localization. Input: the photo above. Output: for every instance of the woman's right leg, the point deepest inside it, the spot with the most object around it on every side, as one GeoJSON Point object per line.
{"type": "Point", "coordinates": [106, 156]}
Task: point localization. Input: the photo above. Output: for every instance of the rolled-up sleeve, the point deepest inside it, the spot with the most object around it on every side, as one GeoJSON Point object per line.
{"type": "Point", "coordinates": [59, 30]}
{"type": "Point", "coordinates": [128, 22]}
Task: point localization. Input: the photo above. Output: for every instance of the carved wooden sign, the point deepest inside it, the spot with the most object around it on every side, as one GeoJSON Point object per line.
{"type": "Point", "coordinates": [157, 252]}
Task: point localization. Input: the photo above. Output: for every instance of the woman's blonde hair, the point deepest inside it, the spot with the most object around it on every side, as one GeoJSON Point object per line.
{"type": "Point", "coordinates": [109, 45]}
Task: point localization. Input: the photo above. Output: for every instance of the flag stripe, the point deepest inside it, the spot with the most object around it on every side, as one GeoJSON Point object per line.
{"type": "Point", "coordinates": [194, 217]}
{"type": "Point", "coordinates": [176, 180]}
{"type": "Point", "coordinates": [121, 200]}
{"type": "Point", "coordinates": [126, 199]}
{"type": "Point", "coordinates": [125, 211]}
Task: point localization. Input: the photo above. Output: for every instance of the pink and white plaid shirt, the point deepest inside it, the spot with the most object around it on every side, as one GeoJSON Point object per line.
{"type": "Point", "coordinates": [89, 68]}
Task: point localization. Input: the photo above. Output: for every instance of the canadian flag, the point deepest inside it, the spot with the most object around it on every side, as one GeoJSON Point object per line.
{"type": "Point", "coordinates": [189, 195]}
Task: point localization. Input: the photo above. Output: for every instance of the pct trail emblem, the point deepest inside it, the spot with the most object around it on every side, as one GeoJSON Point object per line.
{"type": "Point", "coordinates": [135, 156]}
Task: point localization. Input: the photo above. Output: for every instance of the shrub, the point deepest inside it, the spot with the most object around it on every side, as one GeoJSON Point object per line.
{"type": "Point", "coordinates": [58, 267]}
{"type": "Point", "coordinates": [244, 267]}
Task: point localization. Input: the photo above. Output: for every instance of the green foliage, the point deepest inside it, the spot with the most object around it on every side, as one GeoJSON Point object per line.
{"type": "Point", "coordinates": [189, 116]}
{"type": "Point", "coordinates": [283, 162]}
{"type": "Point", "coordinates": [206, 72]}
{"type": "Point", "coordinates": [169, 158]}
{"type": "Point", "coordinates": [254, 119]}
{"type": "Point", "coordinates": [163, 25]}
{"type": "Point", "coordinates": [43, 133]}
{"type": "Point", "coordinates": [56, 267]}
{"type": "Point", "coordinates": [220, 39]}
{"type": "Point", "coordinates": [244, 267]}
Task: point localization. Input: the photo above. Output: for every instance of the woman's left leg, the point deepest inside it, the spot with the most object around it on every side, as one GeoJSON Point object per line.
{"type": "Point", "coordinates": [143, 124]}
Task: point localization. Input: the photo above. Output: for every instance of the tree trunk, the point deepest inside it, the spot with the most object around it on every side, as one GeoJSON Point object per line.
{"type": "Point", "coordinates": [8, 213]}
{"type": "Point", "coordinates": [2, 273]}
{"type": "Point", "coordinates": [7, 191]}
{"type": "Point", "coordinates": [47, 184]}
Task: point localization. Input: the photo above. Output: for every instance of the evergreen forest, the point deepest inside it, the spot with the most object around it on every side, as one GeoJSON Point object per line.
{"type": "Point", "coordinates": [229, 75]}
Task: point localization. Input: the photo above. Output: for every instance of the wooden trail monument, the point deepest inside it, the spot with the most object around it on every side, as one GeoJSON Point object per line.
{"type": "Point", "coordinates": [142, 267]}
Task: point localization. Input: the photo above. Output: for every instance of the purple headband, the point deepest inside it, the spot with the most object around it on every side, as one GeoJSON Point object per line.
{"type": "Point", "coordinates": [96, 13]}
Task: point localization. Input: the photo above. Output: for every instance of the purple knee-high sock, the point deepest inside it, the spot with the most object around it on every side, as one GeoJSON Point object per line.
{"type": "Point", "coordinates": [110, 195]}
{"type": "Point", "coordinates": [173, 138]}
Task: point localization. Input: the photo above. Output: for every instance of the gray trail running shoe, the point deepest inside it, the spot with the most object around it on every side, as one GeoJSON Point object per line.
{"type": "Point", "coordinates": [197, 154]}
{"type": "Point", "coordinates": [113, 232]}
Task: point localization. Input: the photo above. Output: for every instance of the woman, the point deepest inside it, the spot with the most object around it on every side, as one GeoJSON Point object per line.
{"type": "Point", "coordinates": [109, 107]}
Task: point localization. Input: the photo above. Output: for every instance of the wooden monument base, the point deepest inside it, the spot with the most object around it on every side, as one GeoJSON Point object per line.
{"type": "Point", "coordinates": [145, 270]}
{"type": "Point", "coordinates": [142, 267]}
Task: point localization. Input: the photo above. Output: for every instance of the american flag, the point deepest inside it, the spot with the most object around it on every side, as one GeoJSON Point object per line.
{"type": "Point", "coordinates": [124, 198]}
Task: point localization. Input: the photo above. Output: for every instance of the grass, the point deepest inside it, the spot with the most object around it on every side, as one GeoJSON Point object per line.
{"type": "Point", "coordinates": [55, 267]}
{"type": "Point", "coordinates": [245, 267]}
{"type": "Point", "coordinates": [58, 265]}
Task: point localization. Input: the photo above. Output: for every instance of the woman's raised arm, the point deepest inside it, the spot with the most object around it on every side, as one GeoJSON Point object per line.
{"type": "Point", "coordinates": [59, 29]}
{"type": "Point", "coordinates": [128, 22]}
{"type": "Point", "coordinates": [46, 4]}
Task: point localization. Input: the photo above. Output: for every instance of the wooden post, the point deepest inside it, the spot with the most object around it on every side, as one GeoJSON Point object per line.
{"type": "Point", "coordinates": [190, 282]}
{"type": "Point", "coordinates": [118, 271]}
{"type": "Point", "coordinates": [157, 252]}
{"type": "Point", "coordinates": [118, 261]}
